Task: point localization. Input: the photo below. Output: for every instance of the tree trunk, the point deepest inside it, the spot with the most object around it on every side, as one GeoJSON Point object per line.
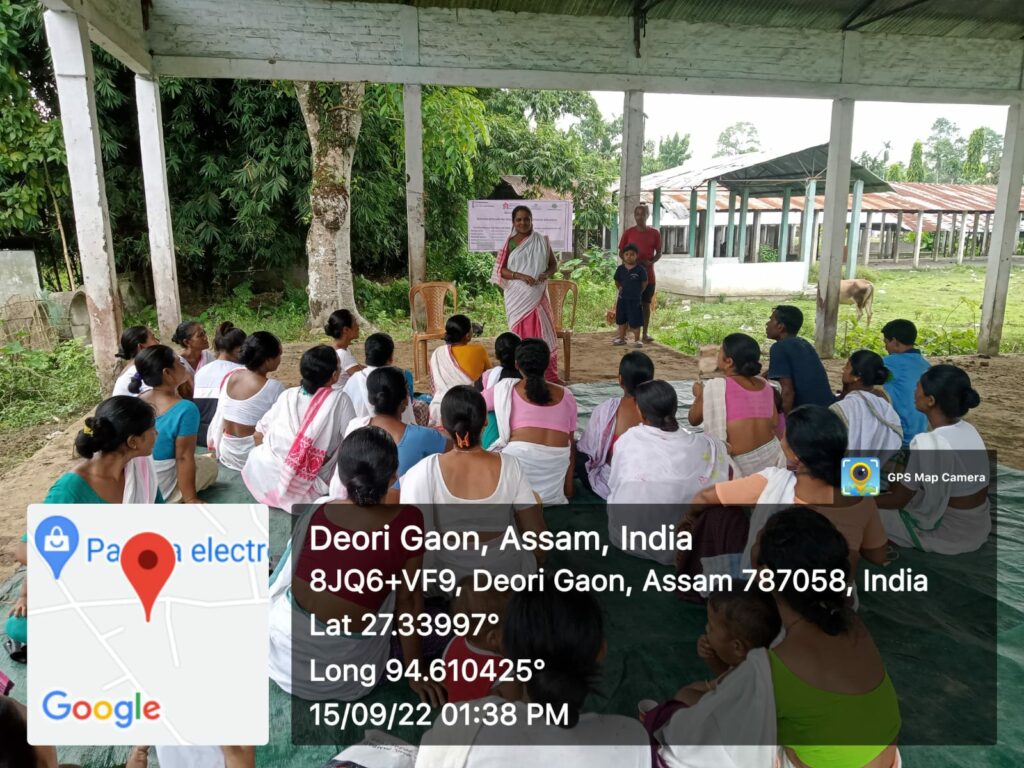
{"type": "Point", "coordinates": [333, 115]}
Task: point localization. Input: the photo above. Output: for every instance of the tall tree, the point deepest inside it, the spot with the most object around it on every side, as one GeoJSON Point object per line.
{"type": "Point", "coordinates": [738, 139]}
{"type": "Point", "coordinates": [984, 151]}
{"type": "Point", "coordinates": [333, 115]}
{"type": "Point", "coordinates": [915, 169]}
{"type": "Point", "coordinates": [944, 152]}
{"type": "Point", "coordinates": [672, 152]}
{"type": "Point", "coordinates": [895, 172]}
{"type": "Point", "coordinates": [873, 163]}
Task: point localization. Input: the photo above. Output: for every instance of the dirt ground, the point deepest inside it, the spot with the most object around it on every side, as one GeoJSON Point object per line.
{"type": "Point", "coordinates": [1000, 419]}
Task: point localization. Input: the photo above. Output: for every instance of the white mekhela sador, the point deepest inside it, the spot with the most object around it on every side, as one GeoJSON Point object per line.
{"type": "Point", "coordinates": [653, 472]}
{"type": "Point", "coordinates": [423, 486]}
{"type": "Point", "coordinates": [872, 424]}
{"type": "Point", "coordinates": [928, 522]}
{"type": "Point", "coordinates": [233, 451]}
{"type": "Point", "coordinates": [445, 373]}
{"type": "Point", "coordinates": [301, 434]}
{"type": "Point", "coordinates": [715, 424]}
{"type": "Point", "coordinates": [141, 481]}
{"type": "Point", "coordinates": [359, 398]}
{"type": "Point", "coordinates": [596, 442]}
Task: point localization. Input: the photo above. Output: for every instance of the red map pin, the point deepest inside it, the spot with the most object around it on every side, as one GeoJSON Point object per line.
{"type": "Point", "coordinates": [147, 559]}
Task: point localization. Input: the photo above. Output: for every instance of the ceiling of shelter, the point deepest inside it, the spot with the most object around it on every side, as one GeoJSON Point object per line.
{"type": "Point", "coordinates": [996, 19]}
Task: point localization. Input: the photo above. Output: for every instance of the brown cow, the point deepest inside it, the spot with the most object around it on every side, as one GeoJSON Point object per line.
{"type": "Point", "coordinates": [860, 293]}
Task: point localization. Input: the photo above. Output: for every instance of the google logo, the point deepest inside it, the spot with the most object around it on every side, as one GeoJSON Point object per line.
{"type": "Point", "coordinates": [57, 707]}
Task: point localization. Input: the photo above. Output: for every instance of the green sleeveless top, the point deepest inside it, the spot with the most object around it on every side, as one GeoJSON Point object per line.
{"type": "Point", "coordinates": [833, 730]}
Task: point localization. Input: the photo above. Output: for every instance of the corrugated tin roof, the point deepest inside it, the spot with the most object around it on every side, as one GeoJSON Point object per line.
{"type": "Point", "coordinates": [993, 19]}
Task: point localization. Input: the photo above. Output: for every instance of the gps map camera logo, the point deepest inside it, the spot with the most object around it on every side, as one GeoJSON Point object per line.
{"type": "Point", "coordinates": [861, 476]}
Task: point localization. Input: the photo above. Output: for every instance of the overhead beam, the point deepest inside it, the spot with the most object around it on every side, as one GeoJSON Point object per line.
{"type": "Point", "coordinates": [856, 13]}
{"type": "Point", "coordinates": [115, 26]}
{"type": "Point", "coordinates": [886, 14]}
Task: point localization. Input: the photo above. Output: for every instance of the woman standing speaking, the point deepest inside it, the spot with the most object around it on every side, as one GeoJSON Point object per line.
{"type": "Point", "coordinates": [523, 266]}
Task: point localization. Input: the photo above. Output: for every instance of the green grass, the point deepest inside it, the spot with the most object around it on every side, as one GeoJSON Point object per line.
{"type": "Point", "coordinates": [37, 387]}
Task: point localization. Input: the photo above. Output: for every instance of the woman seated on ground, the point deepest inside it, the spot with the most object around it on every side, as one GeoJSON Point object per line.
{"type": "Point", "coordinates": [536, 423]}
{"type": "Point", "coordinates": [609, 422]}
{"type": "Point", "coordinates": [871, 422]}
{"type": "Point", "coordinates": [133, 341]}
{"type": "Point", "coordinates": [195, 346]}
{"type": "Point", "coordinates": [741, 409]}
{"type": "Point", "coordinates": [380, 351]}
{"type": "Point", "coordinates": [829, 680]}
{"type": "Point", "coordinates": [387, 392]}
{"type": "Point", "coordinates": [228, 344]}
{"type": "Point", "coordinates": [459, 361]}
{"type": "Point", "coordinates": [297, 439]}
{"type": "Point", "coordinates": [814, 445]}
{"type": "Point", "coordinates": [945, 517]}
{"type": "Point", "coordinates": [566, 631]}
{"type": "Point", "coordinates": [470, 489]}
{"type": "Point", "coordinates": [657, 464]}
{"type": "Point", "coordinates": [367, 466]}
{"type": "Point", "coordinates": [180, 472]}
{"type": "Point", "coordinates": [343, 327]}
{"type": "Point", "coordinates": [505, 346]}
{"type": "Point", "coordinates": [246, 394]}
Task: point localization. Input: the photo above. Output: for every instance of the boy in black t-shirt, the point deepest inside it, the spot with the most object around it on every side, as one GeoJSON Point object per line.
{"type": "Point", "coordinates": [794, 363]}
{"type": "Point", "coordinates": [631, 280]}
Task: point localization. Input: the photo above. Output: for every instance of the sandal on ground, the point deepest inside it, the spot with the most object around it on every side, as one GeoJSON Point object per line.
{"type": "Point", "coordinates": [648, 340]}
{"type": "Point", "coordinates": [619, 342]}
{"type": "Point", "coordinates": [638, 345]}
{"type": "Point", "coordinates": [17, 651]}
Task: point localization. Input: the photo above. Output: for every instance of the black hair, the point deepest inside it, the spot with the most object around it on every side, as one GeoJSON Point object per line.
{"type": "Point", "coordinates": [631, 247]}
{"type": "Point", "coordinates": [228, 337]}
{"type": "Point", "coordinates": [317, 366]}
{"type": "Point", "coordinates": [15, 751]}
{"type": "Point", "coordinates": [657, 401]}
{"type": "Point", "coordinates": [258, 348]}
{"type": "Point", "coordinates": [818, 438]}
{"type": "Point", "coordinates": [799, 539]}
{"type": "Point", "coordinates": [456, 328]}
{"type": "Point", "coordinates": [519, 208]}
{"type": "Point", "coordinates": [379, 349]}
{"type": "Point", "coordinates": [566, 631]}
{"type": "Point", "coordinates": [131, 338]}
{"type": "Point", "coordinates": [339, 320]}
{"type": "Point", "coordinates": [868, 367]}
{"type": "Point", "coordinates": [951, 388]}
{"type": "Point", "coordinates": [183, 331]}
{"type": "Point", "coordinates": [116, 419]}
{"type": "Point", "coordinates": [744, 352]}
{"type": "Point", "coordinates": [903, 331]}
{"type": "Point", "coordinates": [505, 347]}
{"type": "Point", "coordinates": [367, 462]}
{"type": "Point", "coordinates": [386, 390]}
{"type": "Point", "coordinates": [790, 317]}
{"type": "Point", "coordinates": [532, 358]}
{"type": "Point", "coordinates": [464, 412]}
{"type": "Point", "coordinates": [150, 365]}
{"type": "Point", "coordinates": [750, 614]}
{"type": "Point", "coordinates": [635, 368]}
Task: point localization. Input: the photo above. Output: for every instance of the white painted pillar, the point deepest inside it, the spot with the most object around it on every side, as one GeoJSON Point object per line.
{"type": "Point", "coordinates": [807, 225]}
{"type": "Point", "coordinates": [68, 36]}
{"type": "Point", "coordinates": [709, 232]}
{"type": "Point", "coordinates": [837, 196]}
{"type": "Point", "coordinates": [415, 210]}
{"type": "Point", "coordinates": [986, 238]}
{"type": "Point", "coordinates": [974, 234]}
{"type": "Point", "coordinates": [158, 206]}
{"type": "Point", "coordinates": [867, 238]}
{"type": "Point", "coordinates": [963, 238]}
{"type": "Point", "coordinates": [632, 156]}
{"type": "Point", "coordinates": [917, 239]}
{"type": "Point", "coordinates": [852, 238]}
{"type": "Point", "coordinates": [741, 247]}
{"type": "Point", "coordinates": [1005, 232]}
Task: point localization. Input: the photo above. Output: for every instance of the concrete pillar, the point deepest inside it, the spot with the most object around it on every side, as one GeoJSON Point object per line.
{"type": "Point", "coordinates": [1005, 233]}
{"type": "Point", "coordinates": [709, 232]}
{"type": "Point", "coordinates": [815, 236]}
{"type": "Point", "coordinates": [632, 156]}
{"type": "Point", "coordinates": [806, 225]}
{"type": "Point", "coordinates": [837, 191]}
{"type": "Point", "coordinates": [975, 242]}
{"type": "Point", "coordinates": [897, 235]}
{"type": "Point", "coordinates": [937, 241]}
{"type": "Point", "coordinates": [866, 245]}
{"type": "Point", "coordinates": [853, 238]}
{"type": "Point", "coordinates": [415, 209]}
{"type": "Point", "coordinates": [949, 243]}
{"type": "Point", "coordinates": [917, 238]}
{"type": "Point", "coordinates": [986, 238]}
{"type": "Point", "coordinates": [882, 234]}
{"type": "Point", "coordinates": [741, 247]}
{"type": "Point", "coordinates": [963, 238]}
{"type": "Point", "coordinates": [158, 206]}
{"type": "Point", "coordinates": [656, 212]}
{"type": "Point", "coordinates": [755, 238]}
{"type": "Point", "coordinates": [784, 226]}
{"type": "Point", "coordinates": [71, 52]}
{"type": "Point", "coordinates": [691, 247]}
{"type": "Point", "coordinates": [730, 226]}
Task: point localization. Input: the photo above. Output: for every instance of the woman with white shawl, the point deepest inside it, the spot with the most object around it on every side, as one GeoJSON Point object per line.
{"type": "Point", "coordinates": [948, 517]}
{"type": "Point", "coordinates": [536, 423]}
{"type": "Point", "coordinates": [458, 362]}
{"type": "Point", "coordinates": [871, 422]}
{"type": "Point", "coordinates": [522, 269]}
{"type": "Point", "coordinates": [741, 409]}
{"type": "Point", "coordinates": [367, 467]}
{"type": "Point", "coordinates": [297, 439]}
{"type": "Point", "coordinates": [656, 466]}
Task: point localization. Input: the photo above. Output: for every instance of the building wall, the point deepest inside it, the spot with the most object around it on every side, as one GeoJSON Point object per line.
{"type": "Point", "coordinates": [729, 278]}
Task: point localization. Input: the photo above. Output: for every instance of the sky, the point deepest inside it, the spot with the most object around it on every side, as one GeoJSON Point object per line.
{"type": "Point", "coordinates": [790, 124]}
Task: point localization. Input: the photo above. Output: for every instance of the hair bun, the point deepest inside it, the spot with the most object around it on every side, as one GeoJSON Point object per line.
{"type": "Point", "coordinates": [970, 398]}
{"type": "Point", "coordinates": [750, 368]}
{"type": "Point", "coordinates": [882, 375]}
